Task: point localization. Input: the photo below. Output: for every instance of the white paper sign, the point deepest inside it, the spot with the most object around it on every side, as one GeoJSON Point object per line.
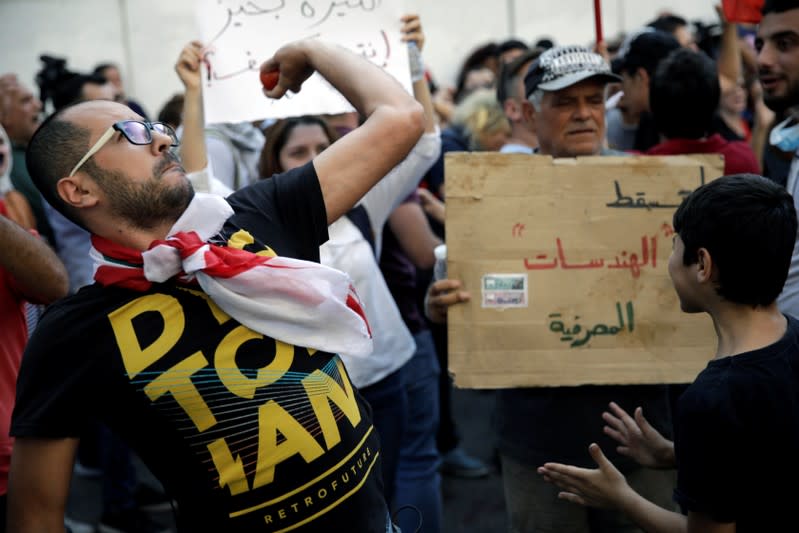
{"type": "Point", "coordinates": [241, 35]}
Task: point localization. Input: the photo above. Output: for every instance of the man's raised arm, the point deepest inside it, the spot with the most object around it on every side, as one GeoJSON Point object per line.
{"type": "Point", "coordinates": [395, 121]}
{"type": "Point", "coordinates": [37, 273]}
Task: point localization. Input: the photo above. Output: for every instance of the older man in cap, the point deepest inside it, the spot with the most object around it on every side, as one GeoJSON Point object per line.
{"type": "Point", "coordinates": [566, 87]}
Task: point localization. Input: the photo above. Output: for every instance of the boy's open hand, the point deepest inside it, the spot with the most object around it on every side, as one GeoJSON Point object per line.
{"type": "Point", "coordinates": [638, 439]}
{"type": "Point", "coordinates": [603, 487]}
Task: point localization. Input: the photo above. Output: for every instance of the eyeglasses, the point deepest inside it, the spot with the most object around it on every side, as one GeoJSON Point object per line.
{"type": "Point", "coordinates": [135, 131]}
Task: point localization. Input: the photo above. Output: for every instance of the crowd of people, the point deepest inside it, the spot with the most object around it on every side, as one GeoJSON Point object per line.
{"type": "Point", "coordinates": [250, 309]}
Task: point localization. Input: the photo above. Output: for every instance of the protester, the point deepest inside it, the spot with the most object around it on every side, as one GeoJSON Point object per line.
{"type": "Point", "coordinates": [403, 404]}
{"type": "Point", "coordinates": [20, 116]}
{"type": "Point", "coordinates": [510, 95]}
{"type": "Point", "coordinates": [565, 86]}
{"type": "Point", "coordinates": [111, 72]}
{"type": "Point", "coordinates": [29, 272]}
{"type": "Point", "coordinates": [478, 124]}
{"type": "Point", "coordinates": [684, 98]}
{"type": "Point", "coordinates": [737, 425]}
{"type": "Point", "coordinates": [630, 125]}
{"type": "Point", "coordinates": [509, 50]}
{"type": "Point", "coordinates": [779, 74]}
{"type": "Point", "coordinates": [408, 244]}
{"type": "Point", "coordinates": [252, 443]}
{"type": "Point", "coordinates": [292, 142]}
{"type": "Point", "coordinates": [677, 27]}
{"type": "Point", "coordinates": [17, 207]}
{"type": "Point", "coordinates": [478, 71]}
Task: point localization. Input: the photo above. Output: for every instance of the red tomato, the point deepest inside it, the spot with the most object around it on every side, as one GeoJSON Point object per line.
{"type": "Point", "coordinates": [269, 79]}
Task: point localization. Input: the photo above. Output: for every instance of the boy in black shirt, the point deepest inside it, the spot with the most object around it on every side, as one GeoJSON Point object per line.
{"type": "Point", "coordinates": [737, 425]}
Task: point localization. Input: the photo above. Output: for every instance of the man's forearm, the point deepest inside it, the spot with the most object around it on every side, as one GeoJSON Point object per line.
{"type": "Point", "coordinates": [192, 146]}
{"type": "Point", "coordinates": [395, 121]}
{"type": "Point", "coordinates": [36, 269]}
{"type": "Point", "coordinates": [362, 83]}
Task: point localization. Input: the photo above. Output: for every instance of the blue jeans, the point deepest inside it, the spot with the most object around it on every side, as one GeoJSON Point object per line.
{"type": "Point", "coordinates": [389, 417]}
{"type": "Point", "coordinates": [418, 481]}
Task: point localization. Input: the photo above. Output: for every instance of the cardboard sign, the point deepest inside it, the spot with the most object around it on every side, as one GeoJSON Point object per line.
{"type": "Point", "coordinates": [566, 261]}
{"type": "Point", "coordinates": [239, 36]}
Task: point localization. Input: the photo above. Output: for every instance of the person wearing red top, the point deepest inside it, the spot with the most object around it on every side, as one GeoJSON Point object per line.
{"type": "Point", "coordinates": [29, 271]}
{"type": "Point", "coordinates": [684, 97]}
{"type": "Point", "coordinates": [738, 155]}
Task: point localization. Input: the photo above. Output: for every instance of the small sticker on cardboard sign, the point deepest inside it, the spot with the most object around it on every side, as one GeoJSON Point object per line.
{"type": "Point", "coordinates": [504, 290]}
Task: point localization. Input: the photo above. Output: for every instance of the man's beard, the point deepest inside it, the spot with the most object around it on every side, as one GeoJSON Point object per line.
{"type": "Point", "coordinates": [779, 104]}
{"type": "Point", "coordinates": [146, 204]}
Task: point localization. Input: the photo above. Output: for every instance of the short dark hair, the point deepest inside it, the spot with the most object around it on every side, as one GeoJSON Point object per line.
{"type": "Point", "coordinates": [779, 6]}
{"type": "Point", "coordinates": [645, 51]}
{"type": "Point", "coordinates": [684, 94]}
{"type": "Point", "coordinates": [476, 59]}
{"type": "Point", "coordinates": [511, 71]}
{"type": "Point", "coordinates": [545, 43]}
{"type": "Point", "coordinates": [668, 23]}
{"type": "Point", "coordinates": [99, 69]}
{"type": "Point", "coordinates": [56, 146]}
{"type": "Point", "coordinates": [511, 44]}
{"type": "Point", "coordinates": [748, 225]}
{"type": "Point", "coordinates": [172, 112]}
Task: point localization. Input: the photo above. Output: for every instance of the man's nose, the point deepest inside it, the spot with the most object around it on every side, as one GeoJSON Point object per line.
{"type": "Point", "coordinates": [161, 141]}
{"type": "Point", "coordinates": [766, 57]}
{"type": "Point", "coordinates": [582, 111]}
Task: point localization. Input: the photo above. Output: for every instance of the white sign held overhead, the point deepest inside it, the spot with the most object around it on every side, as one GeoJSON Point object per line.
{"type": "Point", "coordinates": [239, 36]}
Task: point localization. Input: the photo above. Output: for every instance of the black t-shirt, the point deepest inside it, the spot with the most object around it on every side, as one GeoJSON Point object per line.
{"type": "Point", "coordinates": [245, 432]}
{"type": "Point", "coordinates": [737, 438]}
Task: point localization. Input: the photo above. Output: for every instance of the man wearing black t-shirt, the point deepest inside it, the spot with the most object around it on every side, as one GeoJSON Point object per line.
{"type": "Point", "coordinates": [249, 427]}
{"type": "Point", "coordinates": [737, 426]}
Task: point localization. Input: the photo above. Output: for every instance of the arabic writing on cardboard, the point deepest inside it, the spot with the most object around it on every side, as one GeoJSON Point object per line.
{"type": "Point", "coordinates": [585, 243]}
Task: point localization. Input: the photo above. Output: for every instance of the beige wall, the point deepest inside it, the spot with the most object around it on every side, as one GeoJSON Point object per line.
{"type": "Point", "coordinates": [145, 36]}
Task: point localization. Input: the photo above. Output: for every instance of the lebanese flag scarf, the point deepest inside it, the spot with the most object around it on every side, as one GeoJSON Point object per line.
{"type": "Point", "coordinates": [297, 302]}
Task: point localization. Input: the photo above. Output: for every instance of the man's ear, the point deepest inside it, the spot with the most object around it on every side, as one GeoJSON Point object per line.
{"type": "Point", "coordinates": [528, 111]}
{"type": "Point", "coordinates": [644, 75]}
{"type": "Point", "coordinates": [77, 191]}
{"type": "Point", "coordinates": [704, 266]}
{"type": "Point", "coordinates": [512, 110]}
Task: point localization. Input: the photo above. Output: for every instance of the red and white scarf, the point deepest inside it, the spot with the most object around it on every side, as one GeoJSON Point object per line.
{"type": "Point", "coordinates": [297, 302]}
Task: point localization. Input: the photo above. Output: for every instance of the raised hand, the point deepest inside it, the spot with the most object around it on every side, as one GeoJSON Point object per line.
{"type": "Point", "coordinates": [188, 65]}
{"type": "Point", "coordinates": [603, 487]}
{"type": "Point", "coordinates": [294, 66]}
{"type": "Point", "coordinates": [412, 30]}
{"type": "Point", "coordinates": [637, 438]}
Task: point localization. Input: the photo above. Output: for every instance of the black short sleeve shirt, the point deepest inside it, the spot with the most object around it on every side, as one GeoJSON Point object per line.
{"type": "Point", "coordinates": [246, 433]}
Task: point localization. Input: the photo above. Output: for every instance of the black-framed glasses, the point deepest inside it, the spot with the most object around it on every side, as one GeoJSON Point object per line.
{"type": "Point", "coordinates": [137, 132]}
